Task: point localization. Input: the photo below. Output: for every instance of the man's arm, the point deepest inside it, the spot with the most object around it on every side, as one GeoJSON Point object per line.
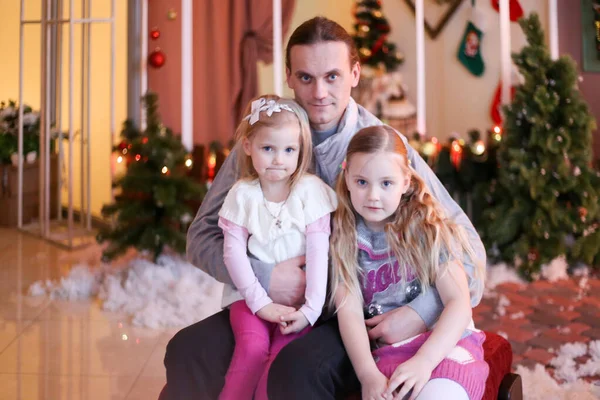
{"type": "Point", "coordinates": [204, 237]}
{"type": "Point", "coordinates": [205, 244]}
{"type": "Point", "coordinates": [455, 213]}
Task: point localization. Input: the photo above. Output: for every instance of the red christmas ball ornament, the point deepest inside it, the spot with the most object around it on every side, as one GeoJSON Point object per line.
{"type": "Point", "coordinates": [122, 145]}
{"type": "Point", "coordinates": [154, 33]}
{"type": "Point", "coordinates": [157, 58]}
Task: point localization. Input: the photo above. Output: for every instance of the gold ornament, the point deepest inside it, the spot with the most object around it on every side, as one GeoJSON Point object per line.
{"type": "Point", "coordinates": [429, 148]}
{"type": "Point", "coordinates": [365, 28]}
{"type": "Point", "coordinates": [172, 14]}
{"type": "Point", "coordinates": [365, 52]}
{"type": "Point", "coordinates": [377, 14]}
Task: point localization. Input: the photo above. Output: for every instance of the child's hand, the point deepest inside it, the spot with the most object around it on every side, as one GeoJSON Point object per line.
{"type": "Point", "coordinates": [294, 322]}
{"type": "Point", "coordinates": [412, 374]}
{"type": "Point", "coordinates": [272, 312]}
{"type": "Point", "coordinates": [374, 386]}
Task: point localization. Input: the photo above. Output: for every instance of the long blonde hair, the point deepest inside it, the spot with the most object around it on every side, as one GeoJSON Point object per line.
{"type": "Point", "coordinates": [246, 131]}
{"type": "Point", "coordinates": [417, 235]}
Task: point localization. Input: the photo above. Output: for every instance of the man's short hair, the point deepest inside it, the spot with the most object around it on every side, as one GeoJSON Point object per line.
{"type": "Point", "coordinates": [317, 30]}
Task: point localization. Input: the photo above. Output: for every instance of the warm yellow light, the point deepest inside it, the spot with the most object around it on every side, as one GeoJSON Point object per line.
{"type": "Point", "coordinates": [479, 148]}
{"type": "Point", "coordinates": [124, 337]}
{"type": "Point", "coordinates": [212, 161]}
{"type": "Point", "coordinates": [189, 163]}
{"type": "Point", "coordinates": [428, 148]}
{"type": "Point", "coordinates": [119, 159]}
{"type": "Point", "coordinates": [165, 170]}
{"type": "Point", "coordinates": [497, 137]}
{"type": "Point", "coordinates": [456, 146]}
{"type": "Point", "coordinates": [497, 129]}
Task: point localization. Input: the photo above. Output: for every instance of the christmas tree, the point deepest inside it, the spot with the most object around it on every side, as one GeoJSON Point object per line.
{"type": "Point", "coordinates": [152, 210]}
{"type": "Point", "coordinates": [544, 202]}
{"type": "Point", "coordinates": [372, 30]}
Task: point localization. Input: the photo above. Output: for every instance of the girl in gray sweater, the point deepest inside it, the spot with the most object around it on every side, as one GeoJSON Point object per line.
{"type": "Point", "coordinates": [392, 240]}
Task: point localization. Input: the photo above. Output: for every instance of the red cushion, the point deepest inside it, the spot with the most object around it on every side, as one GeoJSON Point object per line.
{"type": "Point", "coordinates": [498, 355]}
{"type": "Point", "coordinates": [497, 352]}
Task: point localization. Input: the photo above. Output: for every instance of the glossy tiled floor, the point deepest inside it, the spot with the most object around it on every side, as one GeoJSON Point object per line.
{"type": "Point", "coordinates": [54, 350]}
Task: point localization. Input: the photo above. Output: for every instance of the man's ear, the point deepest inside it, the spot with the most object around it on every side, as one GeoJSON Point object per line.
{"type": "Point", "coordinates": [355, 72]}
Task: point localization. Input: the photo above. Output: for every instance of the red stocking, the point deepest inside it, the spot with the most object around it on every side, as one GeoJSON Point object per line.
{"type": "Point", "coordinates": [516, 11]}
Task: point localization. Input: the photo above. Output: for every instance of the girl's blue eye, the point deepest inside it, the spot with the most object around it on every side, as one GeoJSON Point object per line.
{"type": "Point", "coordinates": [267, 148]}
{"type": "Point", "coordinates": [387, 183]}
{"type": "Point", "coordinates": [361, 182]}
{"type": "Point", "coordinates": [289, 150]}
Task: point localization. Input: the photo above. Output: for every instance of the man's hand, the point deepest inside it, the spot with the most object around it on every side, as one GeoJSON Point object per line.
{"type": "Point", "coordinates": [273, 312]}
{"type": "Point", "coordinates": [395, 326]}
{"type": "Point", "coordinates": [288, 282]}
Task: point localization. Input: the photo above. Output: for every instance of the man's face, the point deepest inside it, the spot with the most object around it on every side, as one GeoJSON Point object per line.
{"type": "Point", "coordinates": [321, 78]}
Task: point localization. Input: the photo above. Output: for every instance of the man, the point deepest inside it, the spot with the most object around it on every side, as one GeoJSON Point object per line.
{"type": "Point", "coordinates": [322, 67]}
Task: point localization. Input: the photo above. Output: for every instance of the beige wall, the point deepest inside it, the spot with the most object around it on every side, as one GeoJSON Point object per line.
{"type": "Point", "coordinates": [100, 94]}
{"type": "Point", "coordinates": [456, 100]}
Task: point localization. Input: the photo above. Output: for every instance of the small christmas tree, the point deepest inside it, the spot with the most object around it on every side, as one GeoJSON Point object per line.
{"type": "Point", "coordinates": [545, 201]}
{"type": "Point", "coordinates": [372, 30]}
{"type": "Point", "coordinates": [152, 209]}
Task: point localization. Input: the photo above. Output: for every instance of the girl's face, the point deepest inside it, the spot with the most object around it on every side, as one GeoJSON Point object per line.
{"type": "Point", "coordinates": [376, 183]}
{"type": "Point", "coordinates": [274, 151]}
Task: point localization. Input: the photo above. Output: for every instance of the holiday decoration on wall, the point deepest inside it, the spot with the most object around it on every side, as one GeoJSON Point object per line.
{"type": "Point", "coordinates": [496, 106]}
{"type": "Point", "coordinates": [172, 14]}
{"type": "Point", "coordinates": [437, 15]}
{"type": "Point", "coordinates": [157, 58]}
{"type": "Point", "coordinates": [469, 51]}
{"type": "Point", "coordinates": [154, 33]}
{"type": "Point", "coordinates": [516, 11]}
{"type": "Point", "coordinates": [152, 207]}
{"type": "Point", "coordinates": [544, 202]}
{"type": "Point", "coordinates": [371, 34]}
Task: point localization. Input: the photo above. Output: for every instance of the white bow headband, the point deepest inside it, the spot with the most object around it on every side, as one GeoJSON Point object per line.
{"type": "Point", "coordinates": [269, 106]}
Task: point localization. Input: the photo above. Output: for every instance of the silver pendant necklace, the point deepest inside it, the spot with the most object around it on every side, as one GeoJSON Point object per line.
{"type": "Point", "coordinates": [275, 217]}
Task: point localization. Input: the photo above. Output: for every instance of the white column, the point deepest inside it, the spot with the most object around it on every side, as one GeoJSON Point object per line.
{"type": "Point", "coordinates": [553, 27]}
{"type": "Point", "coordinates": [420, 33]}
{"type": "Point", "coordinates": [505, 60]}
{"type": "Point", "coordinates": [187, 60]}
{"type": "Point", "coordinates": [277, 57]}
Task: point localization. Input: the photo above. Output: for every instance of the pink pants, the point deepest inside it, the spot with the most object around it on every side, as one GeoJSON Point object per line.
{"type": "Point", "coordinates": [257, 343]}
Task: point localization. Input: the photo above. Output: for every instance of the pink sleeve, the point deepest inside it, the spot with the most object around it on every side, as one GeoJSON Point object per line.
{"type": "Point", "coordinates": [317, 263]}
{"type": "Point", "coordinates": [238, 265]}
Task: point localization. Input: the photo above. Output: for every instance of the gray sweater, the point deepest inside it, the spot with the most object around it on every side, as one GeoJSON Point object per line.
{"type": "Point", "coordinates": [383, 287]}
{"type": "Point", "coordinates": [205, 238]}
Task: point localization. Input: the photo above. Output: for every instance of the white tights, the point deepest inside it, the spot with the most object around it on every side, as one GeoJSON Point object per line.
{"type": "Point", "coordinates": [442, 388]}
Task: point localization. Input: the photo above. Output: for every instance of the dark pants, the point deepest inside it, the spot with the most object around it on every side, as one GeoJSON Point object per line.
{"type": "Point", "coordinates": [315, 366]}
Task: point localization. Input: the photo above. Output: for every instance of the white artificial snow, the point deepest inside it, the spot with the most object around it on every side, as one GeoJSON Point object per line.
{"type": "Point", "coordinates": [501, 273]}
{"type": "Point", "coordinates": [566, 365]}
{"type": "Point", "coordinates": [539, 385]}
{"type": "Point", "coordinates": [171, 293]}
{"type": "Point", "coordinates": [503, 302]}
{"type": "Point", "coordinates": [517, 315]}
{"type": "Point", "coordinates": [556, 270]}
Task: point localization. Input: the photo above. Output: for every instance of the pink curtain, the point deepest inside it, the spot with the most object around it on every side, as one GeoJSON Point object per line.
{"type": "Point", "coordinates": [230, 37]}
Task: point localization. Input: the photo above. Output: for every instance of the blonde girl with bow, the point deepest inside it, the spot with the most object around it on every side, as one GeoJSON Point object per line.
{"type": "Point", "coordinates": [276, 211]}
